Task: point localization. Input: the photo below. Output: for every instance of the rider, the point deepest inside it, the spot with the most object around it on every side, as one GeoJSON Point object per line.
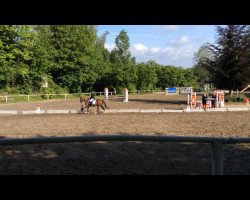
{"type": "Point", "coordinates": [91, 98]}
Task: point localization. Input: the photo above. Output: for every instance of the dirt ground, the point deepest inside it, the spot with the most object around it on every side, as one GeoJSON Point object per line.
{"type": "Point", "coordinates": [122, 157]}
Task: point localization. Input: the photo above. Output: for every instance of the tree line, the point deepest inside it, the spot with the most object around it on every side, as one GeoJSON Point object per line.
{"type": "Point", "coordinates": [72, 58]}
{"type": "Point", "coordinates": [225, 64]}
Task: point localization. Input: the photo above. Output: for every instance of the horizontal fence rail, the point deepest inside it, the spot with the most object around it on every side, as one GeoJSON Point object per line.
{"type": "Point", "coordinates": [92, 138]}
{"type": "Point", "coordinates": [7, 97]}
{"type": "Point", "coordinates": [216, 143]}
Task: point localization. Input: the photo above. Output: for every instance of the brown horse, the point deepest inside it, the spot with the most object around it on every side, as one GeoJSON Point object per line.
{"type": "Point", "coordinates": [98, 103]}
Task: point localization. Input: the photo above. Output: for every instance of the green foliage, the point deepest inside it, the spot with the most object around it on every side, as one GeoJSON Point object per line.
{"type": "Point", "coordinates": [147, 76]}
{"type": "Point", "coordinates": [54, 89]}
{"type": "Point", "coordinates": [73, 59]}
{"type": "Point", "coordinates": [25, 98]}
{"type": "Point", "coordinates": [170, 76]}
{"type": "Point", "coordinates": [229, 65]}
{"type": "Point", "coordinates": [77, 63]}
{"type": "Point", "coordinates": [234, 98]}
{"type": "Point", "coordinates": [131, 88]}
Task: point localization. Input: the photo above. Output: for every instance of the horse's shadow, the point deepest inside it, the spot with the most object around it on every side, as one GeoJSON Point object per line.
{"type": "Point", "coordinates": [157, 101]}
{"type": "Point", "coordinates": [92, 110]}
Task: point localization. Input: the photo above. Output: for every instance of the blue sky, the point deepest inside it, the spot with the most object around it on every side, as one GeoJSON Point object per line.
{"type": "Point", "coordinates": [166, 44]}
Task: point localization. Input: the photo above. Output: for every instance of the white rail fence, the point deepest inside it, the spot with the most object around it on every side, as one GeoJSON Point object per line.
{"type": "Point", "coordinates": [7, 98]}
{"type": "Point", "coordinates": [216, 143]}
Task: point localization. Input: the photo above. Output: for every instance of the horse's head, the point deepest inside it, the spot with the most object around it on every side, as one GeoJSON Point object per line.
{"type": "Point", "coordinates": [83, 99]}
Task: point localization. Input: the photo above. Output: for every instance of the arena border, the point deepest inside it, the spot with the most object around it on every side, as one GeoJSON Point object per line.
{"type": "Point", "coordinates": [215, 142]}
{"type": "Point", "coordinates": [72, 111]}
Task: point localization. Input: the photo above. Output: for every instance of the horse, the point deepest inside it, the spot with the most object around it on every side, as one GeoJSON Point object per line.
{"type": "Point", "coordinates": [98, 103]}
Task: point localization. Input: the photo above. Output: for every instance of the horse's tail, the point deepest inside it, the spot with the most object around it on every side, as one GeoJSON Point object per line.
{"type": "Point", "coordinates": [105, 104]}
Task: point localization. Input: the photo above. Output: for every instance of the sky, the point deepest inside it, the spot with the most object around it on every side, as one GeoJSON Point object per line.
{"type": "Point", "coordinates": [166, 44]}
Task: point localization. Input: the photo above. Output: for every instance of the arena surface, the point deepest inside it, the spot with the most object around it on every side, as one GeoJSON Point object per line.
{"type": "Point", "coordinates": [122, 157]}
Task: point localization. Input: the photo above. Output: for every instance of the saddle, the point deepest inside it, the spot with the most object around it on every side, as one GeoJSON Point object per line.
{"type": "Point", "coordinates": [92, 103]}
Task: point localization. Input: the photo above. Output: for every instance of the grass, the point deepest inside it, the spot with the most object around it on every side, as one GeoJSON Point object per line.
{"type": "Point", "coordinates": [42, 97]}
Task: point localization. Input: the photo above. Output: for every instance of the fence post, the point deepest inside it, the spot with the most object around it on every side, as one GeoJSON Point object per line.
{"type": "Point", "coordinates": [47, 97]}
{"type": "Point", "coordinates": [217, 158]}
{"type": "Point", "coordinates": [28, 97]}
{"type": "Point", "coordinates": [65, 96]}
{"type": "Point", "coordinates": [6, 99]}
{"type": "Point", "coordinates": [106, 93]}
{"type": "Point", "coordinates": [125, 95]}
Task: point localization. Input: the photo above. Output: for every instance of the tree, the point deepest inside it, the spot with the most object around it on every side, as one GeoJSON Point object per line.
{"type": "Point", "coordinates": [121, 53]}
{"type": "Point", "coordinates": [199, 68]}
{"type": "Point", "coordinates": [170, 76]}
{"type": "Point", "coordinates": [77, 61]}
{"type": "Point", "coordinates": [124, 71]}
{"type": "Point", "coordinates": [42, 56]}
{"type": "Point", "coordinates": [230, 66]}
{"type": "Point", "coordinates": [16, 55]}
{"type": "Point", "coordinates": [147, 77]}
{"type": "Point", "coordinates": [101, 45]}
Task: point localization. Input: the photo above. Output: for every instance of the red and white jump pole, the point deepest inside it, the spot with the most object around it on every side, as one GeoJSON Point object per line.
{"type": "Point", "coordinates": [220, 98]}
{"type": "Point", "coordinates": [192, 99]}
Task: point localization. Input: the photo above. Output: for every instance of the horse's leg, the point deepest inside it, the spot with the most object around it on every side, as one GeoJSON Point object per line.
{"type": "Point", "coordinates": [103, 107]}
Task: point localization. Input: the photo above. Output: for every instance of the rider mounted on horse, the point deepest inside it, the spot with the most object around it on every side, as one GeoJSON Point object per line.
{"type": "Point", "coordinates": [91, 100]}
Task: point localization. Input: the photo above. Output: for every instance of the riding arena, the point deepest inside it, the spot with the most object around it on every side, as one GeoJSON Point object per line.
{"type": "Point", "coordinates": [151, 114]}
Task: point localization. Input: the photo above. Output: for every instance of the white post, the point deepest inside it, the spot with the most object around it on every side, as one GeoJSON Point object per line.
{"type": "Point", "coordinates": [38, 110]}
{"type": "Point", "coordinates": [125, 95]}
{"type": "Point", "coordinates": [106, 93]}
{"type": "Point", "coordinates": [217, 158]}
{"type": "Point", "coordinates": [65, 96]}
{"type": "Point", "coordinates": [28, 97]}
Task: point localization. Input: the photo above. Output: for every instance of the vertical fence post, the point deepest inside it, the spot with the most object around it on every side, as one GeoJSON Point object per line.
{"type": "Point", "coordinates": [6, 99]}
{"type": "Point", "coordinates": [125, 95]}
{"type": "Point", "coordinates": [217, 158]}
{"type": "Point", "coordinates": [47, 97]}
{"type": "Point", "coordinates": [28, 97]}
{"type": "Point", "coordinates": [106, 93]}
{"type": "Point", "coordinates": [65, 96]}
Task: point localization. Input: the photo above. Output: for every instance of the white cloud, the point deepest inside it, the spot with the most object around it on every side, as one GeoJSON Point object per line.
{"type": "Point", "coordinates": [170, 27]}
{"type": "Point", "coordinates": [184, 40]}
{"type": "Point", "coordinates": [155, 50]}
{"type": "Point", "coordinates": [180, 52]}
{"type": "Point", "coordinates": [110, 47]}
{"type": "Point", "coordinates": [140, 47]}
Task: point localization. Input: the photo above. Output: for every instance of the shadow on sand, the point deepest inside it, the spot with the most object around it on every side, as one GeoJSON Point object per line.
{"type": "Point", "coordinates": [156, 101]}
{"type": "Point", "coordinates": [115, 158]}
